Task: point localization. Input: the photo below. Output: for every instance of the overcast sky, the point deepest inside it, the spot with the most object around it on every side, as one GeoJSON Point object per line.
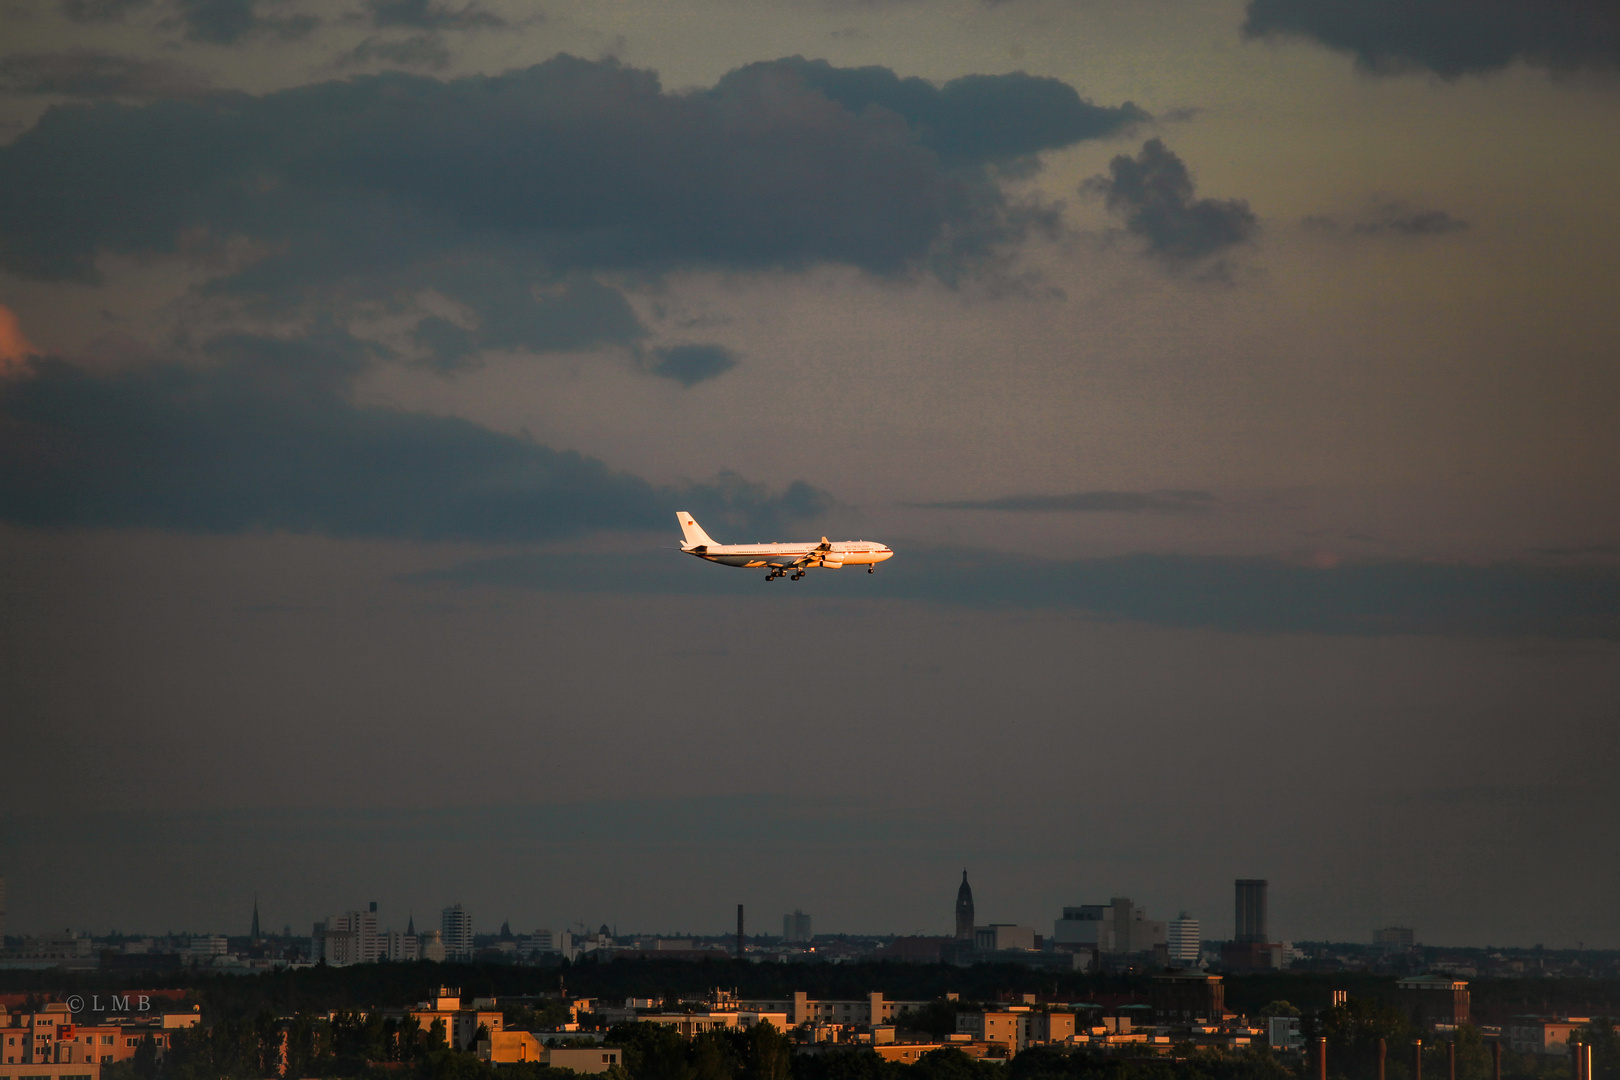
{"type": "Point", "coordinates": [1236, 383]}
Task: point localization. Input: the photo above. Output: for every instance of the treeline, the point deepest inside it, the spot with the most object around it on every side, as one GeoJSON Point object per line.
{"type": "Point", "coordinates": [365, 986]}
{"type": "Point", "coordinates": [374, 1047]}
{"type": "Point", "coordinates": [1353, 1031]}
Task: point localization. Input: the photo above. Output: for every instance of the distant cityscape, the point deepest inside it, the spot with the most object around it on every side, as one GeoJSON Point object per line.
{"type": "Point", "coordinates": [1120, 987]}
{"type": "Point", "coordinates": [1118, 936]}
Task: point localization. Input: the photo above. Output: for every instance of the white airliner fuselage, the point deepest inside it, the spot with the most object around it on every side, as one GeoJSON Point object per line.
{"type": "Point", "coordinates": [782, 559]}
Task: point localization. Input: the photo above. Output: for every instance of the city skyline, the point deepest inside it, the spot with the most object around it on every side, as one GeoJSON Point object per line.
{"type": "Point", "coordinates": [1233, 381]}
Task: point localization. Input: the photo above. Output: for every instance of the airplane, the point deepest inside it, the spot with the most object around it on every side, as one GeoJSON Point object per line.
{"type": "Point", "coordinates": [782, 558]}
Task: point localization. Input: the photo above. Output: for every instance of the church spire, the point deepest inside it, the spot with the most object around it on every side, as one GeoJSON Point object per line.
{"type": "Point", "coordinates": [964, 911]}
{"type": "Point", "coordinates": [254, 933]}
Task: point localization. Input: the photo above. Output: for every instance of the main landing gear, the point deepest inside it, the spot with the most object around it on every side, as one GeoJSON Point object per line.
{"type": "Point", "coordinates": [774, 574]}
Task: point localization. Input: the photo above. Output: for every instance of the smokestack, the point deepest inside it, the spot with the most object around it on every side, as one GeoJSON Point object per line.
{"type": "Point", "coordinates": [1451, 1060]}
{"type": "Point", "coordinates": [739, 931]}
{"type": "Point", "coordinates": [1496, 1059]}
{"type": "Point", "coordinates": [1417, 1059]}
{"type": "Point", "coordinates": [1321, 1057]}
{"type": "Point", "coordinates": [1383, 1050]}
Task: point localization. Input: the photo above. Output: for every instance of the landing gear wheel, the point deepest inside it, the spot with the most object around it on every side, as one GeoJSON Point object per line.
{"type": "Point", "coordinates": [871, 569]}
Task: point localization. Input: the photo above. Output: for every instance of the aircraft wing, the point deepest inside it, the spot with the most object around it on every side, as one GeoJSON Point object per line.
{"type": "Point", "coordinates": [815, 555]}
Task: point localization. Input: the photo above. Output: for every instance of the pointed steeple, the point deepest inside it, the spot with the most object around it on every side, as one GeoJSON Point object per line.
{"type": "Point", "coordinates": [410, 925]}
{"type": "Point", "coordinates": [964, 911]}
{"type": "Point", "coordinates": [254, 933]}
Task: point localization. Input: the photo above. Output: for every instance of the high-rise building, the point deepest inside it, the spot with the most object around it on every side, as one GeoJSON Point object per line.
{"type": "Point", "coordinates": [964, 911]}
{"type": "Point", "coordinates": [1395, 938]}
{"type": "Point", "coordinates": [456, 925]}
{"type": "Point", "coordinates": [1185, 939]}
{"type": "Point", "coordinates": [796, 927]}
{"type": "Point", "coordinates": [1250, 917]}
{"type": "Point", "coordinates": [350, 938]}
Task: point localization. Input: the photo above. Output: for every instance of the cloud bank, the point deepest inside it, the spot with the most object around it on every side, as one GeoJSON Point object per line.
{"type": "Point", "coordinates": [519, 196]}
{"type": "Point", "coordinates": [1450, 38]}
{"type": "Point", "coordinates": [265, 436]}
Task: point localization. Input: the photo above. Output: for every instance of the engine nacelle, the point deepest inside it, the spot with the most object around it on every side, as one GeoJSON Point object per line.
{"type": "Point", "coordinates": [833, 561]}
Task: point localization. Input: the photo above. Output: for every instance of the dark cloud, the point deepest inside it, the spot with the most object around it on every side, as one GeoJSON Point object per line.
{"type": "Point", "coordinates": [1393, 218]}
{"type": "Point", "coordinates": [1450, 37]}
{"type": "Point", "coordinates": [570, 165]}
{"type": "Point", "coordinates": [1129, 502]}
{"type": "Point", "coordinates": [975, 118]}
{"type": "Point", "coordinates": [90, 73]}
{"type": "Point", "coordinates": [94, 11]}
{"type": "Point", "coordinates": [219, 22]}
{"type": "Point", "coordinates": [1153, 192]}
{"type": "Point", "coordinates": [418, 51]}
{"type": "Point", "coordinates": [510, 194]}
{"type": "Point", "coordinates": [692, 364]}
{"type": "Point", "coordinates": [1251, 595]}
{"type": "Point", "coordinates": [425, 15]}
{"type": "Point", "coordinates": [264, 435]}
{"type": "Point", "coordinates": [1403, 220]}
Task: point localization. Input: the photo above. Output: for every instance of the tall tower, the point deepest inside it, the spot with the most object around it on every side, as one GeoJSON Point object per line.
{"type": "Point", "coordinates": [456, 925]}
{"type": "Point", "coordinates": [964, 911]}
{"type": "Point", "coordinates": [254, 933]}
{"type": "Point", "coordinates": [1249, 923]}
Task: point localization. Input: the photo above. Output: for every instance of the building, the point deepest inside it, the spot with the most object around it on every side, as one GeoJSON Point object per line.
{"type": "Point", "coordinates": [51, 1045]}
{"type": "Point", "coordinates": [1251, 947]}
{"type": "Point", "coordinates": [1185, 940]}
{"type": "Point", "coordinates": [1395, 939]}
{"type": "Point", "coordinates": [1016, 1028]}
{"type": "Point", "coordinates": [870, 1011]}
{"type": "Point", "coordinates": [1001, 937]}
{"type": "Point", "coordinates": [1188, 997]}
{"type": "Point", "coordinates": [1118, 927]}
{"type": "Point", "coordinates": [460, 1024]}
{"type": "Point", "coordinates": [1250, 917]}
{"type": "Point", "coordinates": [1282, 1032]}
{"type": "Point", "coordinates": [456, 925]}
{"type": "Point", "coordinates": [1087, 926]}
{"type": "Point", "coordinates": [1546, 1035]}
{"type": "Point", "coordinates": [1434, 1001]}
{"type": "Point", "coordinates": [349, 938]}
{"type": "Point", "coordinates": [510, 1047]}
{"type": "Point", "coordinates": [796, 927]}
{"type": "Point", "coordinates": [964, 910]}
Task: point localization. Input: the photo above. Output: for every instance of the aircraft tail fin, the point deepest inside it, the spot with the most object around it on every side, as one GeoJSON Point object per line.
{"type": "Point", "coordinates": [692, 530]}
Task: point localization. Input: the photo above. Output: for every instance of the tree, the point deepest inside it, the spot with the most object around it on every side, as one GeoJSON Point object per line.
{"type": "Point", "coordinates": [1604, 1040]}
{"type": "Point", "coordinates": [145, 1061]}
{"type": "Point", "coordinates": [1352, 1031]}
{"type": "Point", "coordinates": [766, 1054]}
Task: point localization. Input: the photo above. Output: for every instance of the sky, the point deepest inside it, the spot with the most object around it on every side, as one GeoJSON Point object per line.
{"type": "Point", "coordinates": [1234, 381]}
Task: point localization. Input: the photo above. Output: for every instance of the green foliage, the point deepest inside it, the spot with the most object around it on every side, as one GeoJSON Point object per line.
{"type": "Point", "coordinates": [937, 1019]}
{"type": "Point", "coordinates": [545, 1016]}
{"type": "Point", "coordinates": [1278, 1008]}
{"type": "Point", "coordinates": [1602, 1036]}
{"type": "Point", "coordinates": [1352, 1031]}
